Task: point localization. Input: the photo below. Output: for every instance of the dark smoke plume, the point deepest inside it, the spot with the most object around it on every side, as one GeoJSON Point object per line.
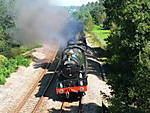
{"type": "Point", "coordinates": [39, 21]}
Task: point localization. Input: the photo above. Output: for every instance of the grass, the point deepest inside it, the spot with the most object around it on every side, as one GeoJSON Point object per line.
{"type": "Point", "coordinates": [96, 39]}
{"type": "Point", "coordinates": [101, 34]}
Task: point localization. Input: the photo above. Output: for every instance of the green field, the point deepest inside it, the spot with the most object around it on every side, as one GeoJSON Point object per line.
{"type": "Point", "coordinates": [101, 34]}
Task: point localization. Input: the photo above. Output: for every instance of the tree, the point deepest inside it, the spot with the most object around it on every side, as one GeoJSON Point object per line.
{"type": "Point", "coordinates": [90, 14]}
{"type": "Point", "coordinates": [6, 23]}
{"type": "Point", "coordinates": [128, 45]}
{"type": "Point", "coordinates": [85, 17]}
{"type": "Point", "coordinates": [98, 14]}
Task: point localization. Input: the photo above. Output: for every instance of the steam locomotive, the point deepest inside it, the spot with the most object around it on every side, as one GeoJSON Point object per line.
{"type": "Point", "coordinates": [72, 71]}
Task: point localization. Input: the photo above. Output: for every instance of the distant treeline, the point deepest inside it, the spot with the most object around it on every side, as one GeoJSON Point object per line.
{"type": "Point", "coordinates": [71, 9]}
{"type": "Point", "coordinates": [91, 14]}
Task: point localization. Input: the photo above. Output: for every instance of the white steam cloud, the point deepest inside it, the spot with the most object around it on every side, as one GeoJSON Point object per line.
{"type": "Point", "coordinates": [38, 21]}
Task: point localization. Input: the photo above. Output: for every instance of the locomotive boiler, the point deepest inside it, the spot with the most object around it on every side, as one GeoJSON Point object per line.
{"type": "Point", "coordinates": [72, 71]}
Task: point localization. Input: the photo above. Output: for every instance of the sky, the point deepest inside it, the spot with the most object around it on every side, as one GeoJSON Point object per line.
{"type": "Point", "coordinates": [73, 2]}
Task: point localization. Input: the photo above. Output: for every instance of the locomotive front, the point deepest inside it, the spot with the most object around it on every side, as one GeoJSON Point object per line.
{"type": "Point", "coordinates": [72, 72]}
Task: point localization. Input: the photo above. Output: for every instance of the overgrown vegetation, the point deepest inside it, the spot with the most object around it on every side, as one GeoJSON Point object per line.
{"type": "Point", "coordinates": [10, 50]}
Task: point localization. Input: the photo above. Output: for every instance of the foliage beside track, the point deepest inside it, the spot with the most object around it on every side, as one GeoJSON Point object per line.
{"type": "Point", "coordinates": [7, 66]}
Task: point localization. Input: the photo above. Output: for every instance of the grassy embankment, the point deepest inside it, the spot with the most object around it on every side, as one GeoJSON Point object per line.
{"type": "Point", "coordinates": [101, 34]}
{"type": "Point", "coordinates": [97, 37]}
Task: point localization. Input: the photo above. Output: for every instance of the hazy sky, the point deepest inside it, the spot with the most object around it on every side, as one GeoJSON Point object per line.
{"type": "Point", "coordinates": [73, 2]}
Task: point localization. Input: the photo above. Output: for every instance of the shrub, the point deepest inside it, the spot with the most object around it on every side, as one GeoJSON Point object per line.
{"type": "Point", "coordinates": [9, 66]}
{"type": "Point", "coordinates": [2, 79]}
{"type": "Point", "coordinates": [18, 51]}
{"type": "Point", "coordinates": [22, 61]}
{"type": "Point", "coordinates": [1, 59]}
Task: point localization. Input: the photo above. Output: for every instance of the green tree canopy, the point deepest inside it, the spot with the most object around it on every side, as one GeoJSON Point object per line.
{"type": "Point", "coordinates": [6, 23]}
{"type": "Point", "coordinates": [128, 44]}
{"type": "Point", "coordinates": [90, 14]}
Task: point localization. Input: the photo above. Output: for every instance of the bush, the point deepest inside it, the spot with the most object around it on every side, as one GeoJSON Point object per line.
{"type": "Point", "coordinates": [22, 61]}
{"type": "Point", "coordinates": [9, 66]}
{"type": "Point", "coordinates": [18, 51]}
{"type": "Point", "coordinates": [1, 59]}
{"type": "Point", "coordinates": [2, 80]}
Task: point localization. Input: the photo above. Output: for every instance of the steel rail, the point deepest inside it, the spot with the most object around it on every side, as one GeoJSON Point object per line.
{"type": "Point", "coordinates": [35, 84]}
{"type": "Point", "coordinates": [43, 97]}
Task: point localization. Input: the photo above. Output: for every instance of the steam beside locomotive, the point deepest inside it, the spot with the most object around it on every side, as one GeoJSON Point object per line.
{"type": "Point", "coordinates": [72, 71]}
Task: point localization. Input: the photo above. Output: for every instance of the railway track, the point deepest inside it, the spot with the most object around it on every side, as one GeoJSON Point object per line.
{"type": "Point", "coordinates": [65, 105]}
{"type": "Point", "coordinates": [51, 58]}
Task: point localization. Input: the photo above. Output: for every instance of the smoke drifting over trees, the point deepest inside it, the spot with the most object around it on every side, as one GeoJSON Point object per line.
{"type": "Point", "coordinates": [39, 21]}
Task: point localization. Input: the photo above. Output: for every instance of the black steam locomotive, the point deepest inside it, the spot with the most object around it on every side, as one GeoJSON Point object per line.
{"type": "Point", "coordinates": [72, 71]}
